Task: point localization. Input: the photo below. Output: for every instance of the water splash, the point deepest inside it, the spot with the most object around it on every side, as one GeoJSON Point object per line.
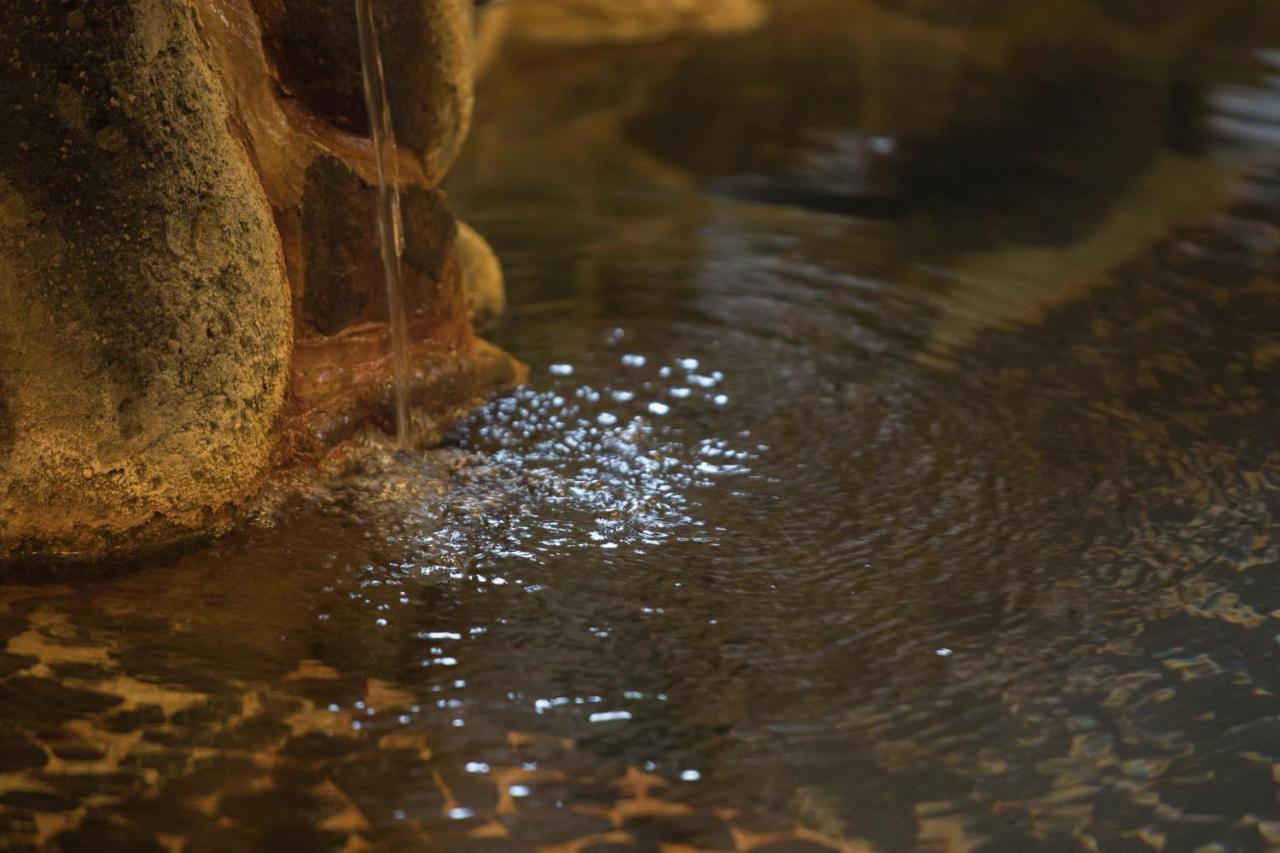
{"type": "Point", "coordinates": [572, 467]}
{"type": "Point", "coordinates": [390, 226]}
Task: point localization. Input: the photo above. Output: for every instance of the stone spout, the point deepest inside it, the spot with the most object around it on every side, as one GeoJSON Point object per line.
{"type": "Point", "coordinates": [190, 290]}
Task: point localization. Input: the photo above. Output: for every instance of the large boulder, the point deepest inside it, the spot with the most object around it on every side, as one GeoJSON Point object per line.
{"type": "Point", "coordinates": [188, 267]}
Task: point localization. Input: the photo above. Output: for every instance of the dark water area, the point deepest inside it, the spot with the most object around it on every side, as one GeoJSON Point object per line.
{"type": "Point", "coordinates": [899, 470]}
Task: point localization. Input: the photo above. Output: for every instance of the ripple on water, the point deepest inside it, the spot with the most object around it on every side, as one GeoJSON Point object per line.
{"type": "Point", "coordinates": [801, 517]}
{"type": "Point", "coordinates": [585, 465]}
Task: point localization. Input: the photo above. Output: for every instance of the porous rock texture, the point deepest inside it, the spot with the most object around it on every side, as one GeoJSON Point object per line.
{"type": "Point", "coordinates": [190, 294]}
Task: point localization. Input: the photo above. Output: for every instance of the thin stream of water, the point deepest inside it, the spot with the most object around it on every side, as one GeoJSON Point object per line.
{"type": "Point", "coordinates": [390, 230]}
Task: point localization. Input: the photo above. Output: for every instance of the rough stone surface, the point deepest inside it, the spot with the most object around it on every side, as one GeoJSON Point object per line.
{"type": "Point", "coordinates": [343, 280]}
{"type": "Point", "coordinates": [426, 51]}
{"type": "Point", "coordinates": [144, 333]}
{"type": "Point", "coordinates": [189, 275]}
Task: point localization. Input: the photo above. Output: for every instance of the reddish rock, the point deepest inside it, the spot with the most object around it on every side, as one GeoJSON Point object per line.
{"type": "Point", "coordinates": [188, 261]}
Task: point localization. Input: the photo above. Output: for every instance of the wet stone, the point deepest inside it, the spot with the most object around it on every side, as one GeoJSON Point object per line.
{"type": "Point", "coordinates": [19, 753]}
{"type": "Point", "coordinates": [95, 835]}
{"type": "Point", "coordinates": [611, 847]}
{"type": "Point", "coordinates": [559, 827]}
{"type": "Point", "coordinates": [81, 671]}
{"type": "Point", "coordinates": [476, 792]}
{"type": "Point", "coordinates": [233, 839]}
{"type": "Point", "coordinates": [78, 752]}
{"type": "Point", "coordinates": [1200, 838]}
{"type": "Point", "coordinates": [22, 846]}
{"type": "Point", "coordinates": [11, 663]}
{"type": "Point", "coordinates": [297, 775]}
{"type": "Point", "coordinates": [27, 698]}
{"type": "Point", "coordinates": [396, 838]}
{"type": "Point", "coordinates": [161, 815]}
{"type": "Point", "coordinates": [251, 735]}
{"type": "Point", "coordinates": [215, 774]}
{"type": "Point", "coordinates": [279, 707]}
{"type": "Point", "coordinates": [93, 784]}
{"type": "Point", "coordinates": [793, 845]}
{"type": "Point", "coordinates": [1105, 838]}
{"type": "Point", "coordinates": [168, 763]}
{"type": "Point", "coordinates": [175, 738]}
{"type": "Point", "coordinates": [240, 839]}
{"type": "Point", "coordinates": [277, 808]}
{"type": "Point", "coordinates": [703, 831]}
{"type": "Point", "coordinates": [545, 793]}
{"type": "Point", "coordinates": [1008, 830]}
{"type": "Point", "coordinates": [380, 787]}
{"type": "Point", "coordinates": [343, 690]}
{"type": "Point", "coordinates": [478, 845]}
{"type": "Point", "coordinates": [1262, 736]}
{"type": "Point", "coordinates": [1242, 786]}
{"type": "Point", "coordinates": [39, 801]}
{"type": "Point", "coordinates": [1009, 839]}
{"type": "Point", "coordinates": [585, 762]}
{"type": "Point", "coordinates": [212, 714]}
{"type": "Point", "coordinates": [761, 821]}
{"type": "Point", "coordinates": [1065, 842]}
{"type": "Point", "coordinates": [134, 719]}
{"type": "Point", "coordinates": [544, 751]}
{"type": "Point", "coordinates": [11, 625]}
{"type": "Point", "coordinates": [14, 823]}
{"type": "Point", "coordinates": [187, 673]}
{"type": "Point", "coordinates": [320, 746]}
{"type": "Point", "coordinates": [165, 738]}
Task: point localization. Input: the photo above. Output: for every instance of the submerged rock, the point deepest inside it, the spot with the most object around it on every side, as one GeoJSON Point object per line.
{"type": "Point", "coordinates": [188, 262]}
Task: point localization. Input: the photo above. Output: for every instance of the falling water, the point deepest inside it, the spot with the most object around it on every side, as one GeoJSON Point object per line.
{"type": "Point", "coordinates": [390, 227]}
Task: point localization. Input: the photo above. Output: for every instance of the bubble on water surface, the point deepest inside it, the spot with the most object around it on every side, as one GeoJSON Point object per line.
{"type": "Point", "coordinates": [609, 716]}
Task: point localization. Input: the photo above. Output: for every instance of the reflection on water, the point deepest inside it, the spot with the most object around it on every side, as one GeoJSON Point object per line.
{"type": "Point", "coordinates": [857, 501]}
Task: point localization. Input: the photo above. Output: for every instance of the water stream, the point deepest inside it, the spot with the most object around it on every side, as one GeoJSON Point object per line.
{"type": "Point", "coordinates": [390, 225]}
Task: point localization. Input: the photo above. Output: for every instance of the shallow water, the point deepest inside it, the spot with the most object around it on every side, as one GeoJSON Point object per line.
{"type": "Point", "coordinates": [898, 471]}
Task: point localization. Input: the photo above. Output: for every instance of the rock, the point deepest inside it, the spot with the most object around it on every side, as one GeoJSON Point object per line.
{"type": "Point", "coordinates": [38, 801]}
{"type": "Point", "coordinates": [482, 282]}
{"type": "Point", "coordinates": [145, 332]}
{"type": "Point", "coordinates": [427, 52]}
{"type": "Point", "coordinates": [189, 275]}
{"type": "Point", "coordinates": [28, 700]}
{"type": "Point", "coordinates": [17, 752]}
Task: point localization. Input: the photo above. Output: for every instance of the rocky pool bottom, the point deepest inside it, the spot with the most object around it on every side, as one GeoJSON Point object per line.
{"type": "Point", "coordinates": [767, 589]}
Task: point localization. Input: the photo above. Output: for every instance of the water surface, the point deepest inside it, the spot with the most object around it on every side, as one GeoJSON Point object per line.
{"type": "Point", "coordinates": [898, 471]}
